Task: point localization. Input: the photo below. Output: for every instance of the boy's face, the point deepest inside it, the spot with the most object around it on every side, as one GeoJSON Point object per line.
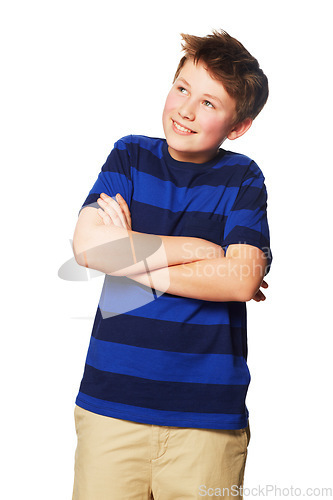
{"type": "Point", "coordinates": [198, 115]}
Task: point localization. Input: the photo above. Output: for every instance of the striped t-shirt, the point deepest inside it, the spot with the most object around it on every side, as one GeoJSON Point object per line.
{"type": "Point", "coordinates": [160, 358]}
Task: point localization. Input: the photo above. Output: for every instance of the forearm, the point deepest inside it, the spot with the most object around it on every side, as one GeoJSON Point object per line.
{"type": "Point", "coordinates": [121, 252]}
{"type": "Point", "coordinates": [219, 280]}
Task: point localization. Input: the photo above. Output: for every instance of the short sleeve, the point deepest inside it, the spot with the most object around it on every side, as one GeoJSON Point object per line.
{"type": "Point", "coordinates": [247, 221]}
{"type": "Point", "coordinates": [114, 177]}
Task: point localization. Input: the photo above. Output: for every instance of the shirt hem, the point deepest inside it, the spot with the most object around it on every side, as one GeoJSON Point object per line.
{"type": "Point", "coordinates": [158, 419]}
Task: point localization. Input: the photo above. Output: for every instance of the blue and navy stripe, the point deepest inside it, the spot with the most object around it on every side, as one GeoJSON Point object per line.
{"type": "Point", "coordinates": [161, 358]}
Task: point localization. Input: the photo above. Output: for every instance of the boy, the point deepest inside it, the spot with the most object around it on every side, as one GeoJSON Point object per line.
{"type": "Point", "coordinates": [161, 409]}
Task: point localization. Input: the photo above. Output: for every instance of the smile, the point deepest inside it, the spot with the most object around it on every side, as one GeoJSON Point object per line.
{"type": "Point", "coordinates": [180, 129]}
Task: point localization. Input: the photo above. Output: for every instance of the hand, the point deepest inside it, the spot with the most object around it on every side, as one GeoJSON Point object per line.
{"type": "Point", "coordinates": [259, 296]}
{"type": "Point", "coordinates": [113, 213]}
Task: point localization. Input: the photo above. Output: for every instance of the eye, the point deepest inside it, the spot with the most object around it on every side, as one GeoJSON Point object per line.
{"type": "Point", "coordinates": [182, 90]}
{"type": "Point", "coordinates": [208, 104]}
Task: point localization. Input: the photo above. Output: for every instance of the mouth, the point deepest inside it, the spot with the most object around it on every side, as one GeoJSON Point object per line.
{"type": "Point", "coordinates": [180, 129]}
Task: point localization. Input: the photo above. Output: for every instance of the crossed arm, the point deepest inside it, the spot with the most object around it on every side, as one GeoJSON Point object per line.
{"type": "Point", "coordinates": [189, 267]}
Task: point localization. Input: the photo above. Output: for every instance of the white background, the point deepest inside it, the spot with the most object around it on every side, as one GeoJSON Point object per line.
{"type": "Point", "coordinates": [78, 75]}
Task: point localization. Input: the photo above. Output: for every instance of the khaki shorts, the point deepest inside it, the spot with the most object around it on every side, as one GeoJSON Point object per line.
{"type": "Point", "coordinates": [121, 460]}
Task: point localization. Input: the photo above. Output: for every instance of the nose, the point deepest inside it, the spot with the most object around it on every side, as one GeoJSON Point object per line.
{"type": "Point", "coordinates": [186, 111]}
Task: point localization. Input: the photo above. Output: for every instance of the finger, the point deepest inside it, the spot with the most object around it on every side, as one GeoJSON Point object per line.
{"type": "Point", "coordinates": [104, 216]}
{"type": "Point", "coordinates": [123, 205]}
{"type": "Point", "coordinates": [107, 215]}
{"type": "Point", "coordinates": [260, 295]}
{"type": "Point", "coordinates": [125, 209]}
{"type": "Point", "coordinates": [114, 209]}
{"type": "Point", "coordinates": [111, 207]}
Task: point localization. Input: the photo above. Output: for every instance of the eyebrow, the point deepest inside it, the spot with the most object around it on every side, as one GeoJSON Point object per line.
{"type": "Point", "coordinates": [210, 96]}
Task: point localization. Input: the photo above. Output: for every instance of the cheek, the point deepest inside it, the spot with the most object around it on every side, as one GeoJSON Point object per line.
{"type": "Point", "coordinates": [212, 127]}
{"type": "Point", "coordinates": [171, 103]}
{"type": "Point", "coordinates": [166, 112]}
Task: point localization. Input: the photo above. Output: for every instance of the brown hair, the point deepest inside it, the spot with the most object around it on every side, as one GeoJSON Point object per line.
{"type": "Point", "coordinates": [229, 62]}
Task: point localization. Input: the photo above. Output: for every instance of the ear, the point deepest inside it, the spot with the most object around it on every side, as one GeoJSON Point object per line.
{"type": "Point", "coordinates": [240, 129]}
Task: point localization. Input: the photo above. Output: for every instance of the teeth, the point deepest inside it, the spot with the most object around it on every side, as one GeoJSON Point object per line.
{"type": "Point", "coordinates": [179, 127]}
